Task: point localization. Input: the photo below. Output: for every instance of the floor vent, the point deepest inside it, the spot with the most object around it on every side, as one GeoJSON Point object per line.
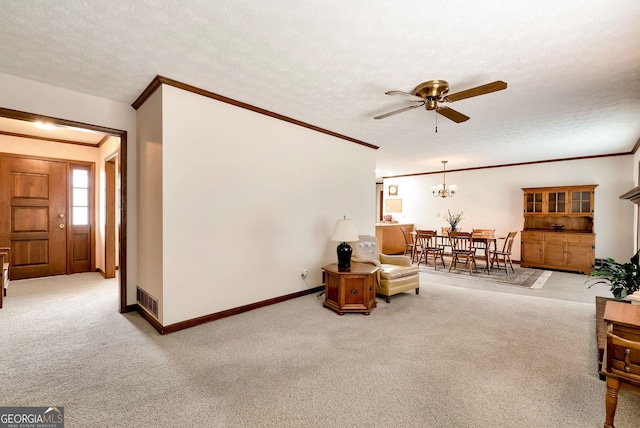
{"type": "Point", "coordinates": [147, 301]}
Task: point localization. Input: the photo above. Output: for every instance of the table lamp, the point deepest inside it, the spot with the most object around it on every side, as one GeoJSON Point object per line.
{"type": "Point", "coordinates": [343, 231]}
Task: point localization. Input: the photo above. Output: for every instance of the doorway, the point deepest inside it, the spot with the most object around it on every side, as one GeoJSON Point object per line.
{"type": "Point", "coordinates": [25, 129]}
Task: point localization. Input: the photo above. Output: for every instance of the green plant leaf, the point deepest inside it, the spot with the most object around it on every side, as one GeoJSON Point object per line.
{"type": "Point", "coordinates": [624, 278]}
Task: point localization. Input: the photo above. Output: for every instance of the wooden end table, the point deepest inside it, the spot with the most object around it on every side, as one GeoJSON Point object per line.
{"type": "Point", "coordinates": [622, 355]}
{"type": "Point", "coordinates": [352, 290]}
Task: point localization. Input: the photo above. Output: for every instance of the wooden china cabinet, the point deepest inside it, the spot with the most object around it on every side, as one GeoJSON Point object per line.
{"type": "Point", "coordinates": [558, 228]}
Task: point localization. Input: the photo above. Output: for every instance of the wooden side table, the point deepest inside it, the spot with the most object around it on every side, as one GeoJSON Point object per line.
{"type": "Point", "coordinates": [622, 355]}
{"type": "Point", "coordinates": [350, 291]}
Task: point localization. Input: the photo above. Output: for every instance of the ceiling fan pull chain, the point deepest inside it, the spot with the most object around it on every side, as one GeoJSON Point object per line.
{"type": "Point", "coordinates": [436, 121]}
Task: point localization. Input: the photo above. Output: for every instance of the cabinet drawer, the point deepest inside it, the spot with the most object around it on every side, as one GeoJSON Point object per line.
{"type": "Point", "coordinates": [581, 239]}
{"type": "Point", "coordinates": [532, 236]}
{"type": "Point", "coordinates": [555, 237]}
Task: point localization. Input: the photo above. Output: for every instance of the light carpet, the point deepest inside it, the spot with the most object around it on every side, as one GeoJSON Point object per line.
{"type": "Point", "coordinates": [448, 357]}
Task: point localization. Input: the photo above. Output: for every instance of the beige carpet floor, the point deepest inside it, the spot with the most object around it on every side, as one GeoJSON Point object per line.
{"type": "Point", "coordinates": [459, 354]}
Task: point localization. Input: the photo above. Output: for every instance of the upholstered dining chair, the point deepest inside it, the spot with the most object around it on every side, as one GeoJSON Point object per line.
{"type": "Point", "coordinates": [396, 273]}
{"type": "Point", "coordinates": [462, 251]}
{"type": "Point", "coordinates": [428, 247]}
{"type": "Point", "coordinates": [504, 255]}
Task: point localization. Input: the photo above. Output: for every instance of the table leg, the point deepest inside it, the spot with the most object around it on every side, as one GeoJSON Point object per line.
{"type": "Point", "coordinates": [487, 247]}
{"type": "Point", "coordinates": [486, 259]}
{"type": "Point", "coordinates": [611, 401]}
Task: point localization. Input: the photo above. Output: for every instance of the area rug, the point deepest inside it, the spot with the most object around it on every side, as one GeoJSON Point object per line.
{"type": "Point", "coordinates": [522, 277]}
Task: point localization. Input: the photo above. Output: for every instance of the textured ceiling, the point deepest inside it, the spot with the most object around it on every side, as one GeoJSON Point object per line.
{"type": "Point", "coordinates": [573, 67]}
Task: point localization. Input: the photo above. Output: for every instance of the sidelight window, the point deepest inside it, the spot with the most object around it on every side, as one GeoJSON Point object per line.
{"type": "Point", "coordinates": [80, 197]}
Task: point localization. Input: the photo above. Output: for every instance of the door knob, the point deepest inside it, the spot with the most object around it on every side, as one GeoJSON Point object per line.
{"type": "Point", "coordinates": [61, 215]}
{"type": "Point", "coordinates": [61, 225]}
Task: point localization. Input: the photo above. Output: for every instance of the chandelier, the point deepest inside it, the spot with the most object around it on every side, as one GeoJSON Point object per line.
{"type": "Point", "coordinates": [441, 190]}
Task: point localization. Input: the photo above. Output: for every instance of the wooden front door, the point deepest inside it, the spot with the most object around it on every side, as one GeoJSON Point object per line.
{"type": "Point", "coordinates": [33, 215]}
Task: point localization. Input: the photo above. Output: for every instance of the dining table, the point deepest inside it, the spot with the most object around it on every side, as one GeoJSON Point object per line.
{"type": "Point", "coordinates": [479, 241]}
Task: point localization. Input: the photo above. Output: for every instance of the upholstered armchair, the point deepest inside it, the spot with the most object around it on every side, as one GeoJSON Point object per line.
{"type": "Point", "coordinates": [396, 274]}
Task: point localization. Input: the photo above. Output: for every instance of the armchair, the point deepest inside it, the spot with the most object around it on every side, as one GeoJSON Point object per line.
{"type": "Point", "coordinates": [396, 274]}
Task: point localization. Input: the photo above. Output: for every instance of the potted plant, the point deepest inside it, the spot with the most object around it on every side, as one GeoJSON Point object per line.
{"type": "Point", "coordinates": [624, 278]}
{"type": "Point", "coordinates": [453, 219]}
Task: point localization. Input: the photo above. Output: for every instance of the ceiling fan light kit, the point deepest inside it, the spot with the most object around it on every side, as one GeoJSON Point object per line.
{"type": "Point", "coordinates": [432, 92]}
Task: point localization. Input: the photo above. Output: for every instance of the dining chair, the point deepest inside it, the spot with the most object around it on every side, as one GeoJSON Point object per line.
{"type": "Point", "coordinates": [428, 247]}
{"type": "Point", "coordinates": [409, 243]}
{"type": "Point", "coordinates": [444, 241]}
{"type": "Point", "coordinates": [482, 240]}
{"type": "Point", "coordinates": [416, 246]}
{"type": "Point", "coordinates": [504, 255]}
{"type": "Point", "coordinates": [488, 233]}
{"type": "Point", "coordinates": [462, 250]}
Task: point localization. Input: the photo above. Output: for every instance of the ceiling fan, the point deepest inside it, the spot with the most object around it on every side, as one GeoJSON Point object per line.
{"type": "Point", "coordinates": [432, 92]}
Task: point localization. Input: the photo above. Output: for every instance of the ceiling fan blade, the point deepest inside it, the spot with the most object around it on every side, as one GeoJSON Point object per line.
{"type": "Point", "coordinates": [452, 114]}
{"type": "Point", "coordinates": [478, 90]}
{"type": "Point", "coordinates": [405, 95]}
{"type": "Point", "coordinates": [391, 113]}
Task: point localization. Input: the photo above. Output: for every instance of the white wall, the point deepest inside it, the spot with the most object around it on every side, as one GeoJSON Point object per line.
{"type": "Point", "coordinates": [150, 170]}
{"type": "Point", "coordinates": [492, 198]}
{"type": "Point", "coordinates": [379, 200]}
{"type": "Point", "coordinates": [47, 149]}
{"type": "Point", "coordinates": [110, 147]}
{"type": "Point", "coordinates": [636, 210]}
{"type": "Point", "coordinates": [33, 97]}
{"type": "Point", "coordinates": [248, 202]}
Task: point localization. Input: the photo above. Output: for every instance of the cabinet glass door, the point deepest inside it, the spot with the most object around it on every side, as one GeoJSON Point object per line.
{"type": "Point", "coordinates": [580, 202]}
{"type": "Point", "coordinates": [557, 202]}
{"type": "Point", "coordinates": [533, 202]}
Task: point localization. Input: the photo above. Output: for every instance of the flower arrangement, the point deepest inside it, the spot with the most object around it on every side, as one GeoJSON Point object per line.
{"type": "Point", "coordinates": [453, 219]}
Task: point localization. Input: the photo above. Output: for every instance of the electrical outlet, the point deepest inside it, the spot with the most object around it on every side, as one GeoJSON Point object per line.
{"type": "Point", "coordinates": [304, 273]}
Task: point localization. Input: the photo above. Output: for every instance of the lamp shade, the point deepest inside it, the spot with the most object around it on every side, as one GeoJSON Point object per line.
{"type": "Point", "coordinates": [344, 230]}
